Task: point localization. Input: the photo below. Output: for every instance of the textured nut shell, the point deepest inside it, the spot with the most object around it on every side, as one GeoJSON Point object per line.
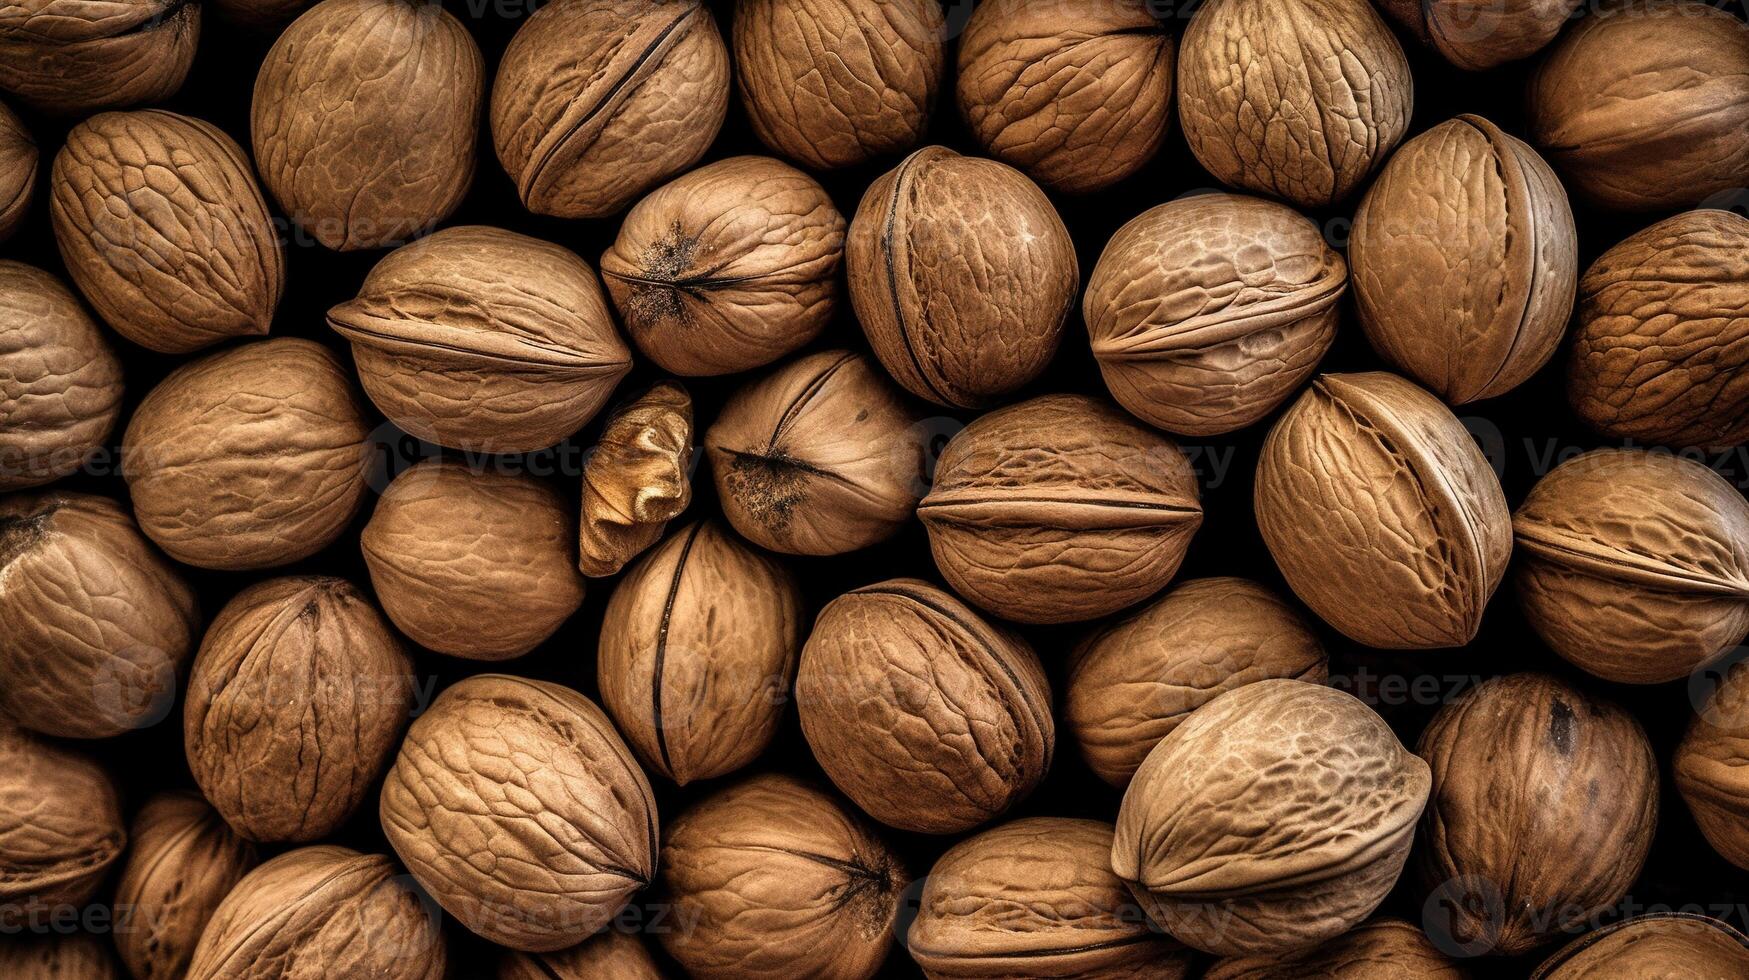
{"type": "Point", "coordinates": [1711, 766]}
{"type": "Point", "coordinates": [1476, 35]}
{"type": "Point", "coordinates": [60, 823]}
{"type": "Point", "coordinates": [1660, 946]}
{"type": "Point", "coordinates": [163, 229]}
{"type": "Point", "coordinates": [1207, 312]}
{"type": "Point", "coordinates": [1382, 949]}
{"type": "Point", "coordinates": [927, 717]}
{"type": "Point", "coordinates": [18, 166]}
{"type": "Point", "coordinates": [69, 57]}
{"type": "Point", "coordinates": [1465, 261]}
{"type": "Point", "coordinates": [638, 479]}
{"type": "Point", "coordinates": [610, 954]}
{"type": "Point", "coordinates": [1059, 509]}
{"type": "Point", "coordinates": [182, 864]}
{"type": "Point", "coordinates": [58, 956]}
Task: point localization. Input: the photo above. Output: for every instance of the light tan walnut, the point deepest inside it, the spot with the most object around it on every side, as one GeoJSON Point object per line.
{"type": "Point", "coordinates": [637, 480]}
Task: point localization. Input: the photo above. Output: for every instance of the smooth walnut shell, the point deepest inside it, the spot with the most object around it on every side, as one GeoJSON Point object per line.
{"type": "Point", "coordinates": [597, 101]}
{"type": "Point", "coordinates": [727, 268]}
{"type": "Point", "coordinates": [1659, 946]}
{"type": "Point", "coordinates": [249, 458]}
{"type": "Point", "coordinates": [60, 825]}
{"type": "Point", "coordinates": [58, 956]}
{"type": "Point", "coordinates": [70, 57]}
{"type": "Point", "coordinates": [778, 882]}
{"type": "Point", "coordinates": [1544, 804]}
{"type": "Point", "coordinates": [1477, 35]}
{"type": "Point", "coordinates": [1382, 949]}
{"type": "Point", "coordinates": [961, 273]}
{"type": "Point", "coordinates": [637, 480]}
{"type": "Point", "coordinates": [182, 864]}
{"type": "Point", "coordinates": [1133, 681]}
{"type": "Point", "coordinates": [1059, 509]}
{"type": "Point", "coordinates": [1207, 312]}
{"type": "Point", "coordinates": [1382, 512]}
{"type": "Point", "coordinates": [1276, 817]}
{"type": "Point", "coordinates": [18, 165]}
{"type": "Point", "coordinates": [365, 117]}
{"type": "Point", "coordinates": [929, 718]}
{"type": "Point", "coordinates": [1711, 766]}
{"type": "Point", "coordinates": [516, 805]}
{"type": "Point", "coordinates": [473, 563]}
{"type": "Point", "coordinates": [1465, 261]}
{"type": "Point", "coordinates": [608, 955]}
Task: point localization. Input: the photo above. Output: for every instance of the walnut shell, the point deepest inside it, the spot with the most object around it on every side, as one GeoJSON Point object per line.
{"type": "Point", "coordinates": [727, 268]}
{"type": "Point", "coordinates": [365, 117]}
{"type": "Point", "coordinates": [249, 458]}
{"type": "Point", "coordinates": [1208, 311]}
{"type": "Point", "coordinates": [58, 956]}
{"type": "Point", "coordinates": [18, 165]}
{"type": "Point", "coordinates": [1709, 766]}
{"type": "Point", "coordinates": [597, 101]}
{"type": "Point", "coordinates": [71, 57]}
{"type": "Point", "coordinates": [929, 718]}
{"type": "Point", "coordinates": [961, 273]}
{"type": "Point", "coordinates": [1465, 261]}
{"type": "Point", "coordinates": [1382, 512]}
{"type": "Point", "coordinates": [608, 954]}
{"type": "Point", "coordinates": [1660, 946]}
{"type": "Point", "coordinates": [60, 826]}
{"type": "Point", "coordinates": [637, 480]}
{"type": "Point", "coordinates": [1477, 35]}
{"type": "Point", "coordinates": [516, 805]}
{"type": "Point", "coordinates": [1059, 509]}
{"type": "Point", "coordinates": [1276, 817]}
{"type": "Point", "coordinates": [1382, 949]}
{"type": "Point", "coordinates": [182, 864]}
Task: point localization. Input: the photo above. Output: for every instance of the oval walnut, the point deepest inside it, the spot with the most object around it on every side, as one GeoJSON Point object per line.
{"type": "Point", "coordinates": [71, 57]}
{"type": "Point", "coordinates": [183, 861]}
{"type": "Point", "coordinates": [1670, 945]}
{"type": "Point", "coordinates": [637, 480]}
{"type": "Point", "coordinates": [1477, 35]}
{"type": "Point", "coordinates": [60, 826]}
{"type": "Point", "coordinates": [1711, 763]}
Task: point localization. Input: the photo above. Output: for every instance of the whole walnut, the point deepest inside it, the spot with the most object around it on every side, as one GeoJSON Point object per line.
{"type": "Point", "coordinates": [365, 117]}
{"type": "Point", "coordinates": [516, 805]}
{"type": "Point", "coordinates": [1544, 803]}
{"type": "Point", "coordinates": [611, 953]}
{"type": "Point", "coordinates": [1635, 564]}
{"type": "Point", "coordinates": [778, 881]}
{"type": "Point", "coordinates": [1643, 105]}
{"type": "Point", "coordinates": [1276, 817]}
{"type": "Point", "coordinates": [485, 340]}
{"type": "Point", "coordinates": [60, 827]}
{"type": "Point", "coordinates": [58, 956]}
{"type": "Point", "coordinates": [1299, 99]}
{"type": "Point", "coordinates": [1133, 681]}
{"type": "Point", "coordinates": [72, 57]}
{"type": "Point", "coordinates": [1382, 512]}
{"type": "Point", "coordinates": [1077, 94]}
{"type": "Point", "coordinates": [820, 457]}
{"type": "Point", "coordinates": [1465, 261]}
{"type": "Point", "coordinates": [249, 458]}
{"type": "Point", "coordinates": [1059, 509]}
{"type": "Point", "coordinates": [1670, 945]}
{"type": "Point", "coordinates": [18, 165]}
{"type": "Point", "coordinates": [597, 101]}
{"type": "Point", "coordinates": [182, 864]}
{"type": "Point", "coordinates": [1036, 895]}
{"type": "Point", "coordinates": [1477, 35]}
{"type": "Point", "coordinates": [1381, 949]}
{"type": "Point", "coordinates": [164, 230]}
{"type": "Point", "coordinates": [95, 626]}
{"type": "Point", "coordinates": [1709, 764]}
{"type": "Point", "coordinates": [1661, 348]}
{"type": "Point", "coordinates": [727, 268]}
{"type": "Point", "coordinates": [926, 716]}
{"type": "Point", "coordinates": [1207, 312]}
{"type": "Point", "coordinates": [961, 273]}
{"type": "Point", "coordinates": [637, 480]}
{"type": "Point", "coordinates": [471, 562]}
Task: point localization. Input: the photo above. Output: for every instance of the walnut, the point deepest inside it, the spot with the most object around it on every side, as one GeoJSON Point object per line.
{"type": "Point", "coordinates": [1710, 769]}
{"type": "Point", "coordinates": [58, 956]}
{"type": "Point", "coordinates": [182, 864]}
{"type": "Point", "coordinates": [1477, 35]}
{"type": "Point", "coordinates": [1381, 949]}
{"type": "Point", "coordinates": [1678, 944]}
{"type": "Point", "coordinates": [18, 164]}
{"type": "Point", "coordinates": [60, 827]}
{"type": "Point", "coordinates": [71, 57]}
{"type": "Point", "coordinates": [637, 480]}
{"type": "Point", "coordinates": [608, 954]}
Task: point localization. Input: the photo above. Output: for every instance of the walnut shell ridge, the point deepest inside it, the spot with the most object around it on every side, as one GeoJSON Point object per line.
{"type": "Point", "coordinates": [60, 824]}
{"type": "Point", "coordinates": [1379, 949]}
{"type": "Point", "coordinates": [1477, 35]}
{"type": "Point", "coordinates": [70, 57]}
{"type": "Point", "coordinates": [18, 166]}
{"type": "Point", "coordinates": [637, 480]}
{"type": "Point", "coordinates": [1658, 945]}
{"type": "Point", "coordinates": [183, 861]}
{"type": "Point", "coordinates": [611, 953]}
{"type": "Point", "coordinates": [1709, 765]}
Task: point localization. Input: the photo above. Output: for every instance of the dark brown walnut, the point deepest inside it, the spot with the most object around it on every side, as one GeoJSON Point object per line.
{"type": "Point", "coordinates": [962, 274]}
{"type": "Point", "coordinates": [727, 268]}
{"type": "Point", "coordinates": [1711, 765]}
{"type": "Point", "coordinates": [1060, 509]}
{"type": "Point", "coordinates": [60, 826]}
{"type": "Point", "coordinates": [1207, 312]}
{"type": "Point", "coordinates": [182, 864]}
{"type": "Point", "coordinates": [70, 57]}
{"type": "Point", "coordinates": [1133, 681]}
{"type": "Point", "coordinates": [1465, 261]}
{"type": "Point", "coordinates": [597, 101]}
{"type": "Point", "coordinates": [164, 230]}
{"type": "Point", "coordinates": [1382, 949]}
{"type": "Point", "coordinates": [516, 805]}
{"type": "Point", "coordinates": [926, 716]}
{"type": "Point", "coordinates": [58, 956]}
{"type": "Point", "coordinates": [18, 166]}
{"type": "Point", "coordinates": [1382, 513]}
{"type": "Point", "coordinates": [1276, 817]}
{"type": "Point", "coordinates": [611, 953]}
{"type": "Point", "coordinates": [483, 339]}
{"type": "Point", "coordinates": [1544, 804]}
{"type": "Point", "coordinates": [364, 120]}
{"type": "Point", "coordinates": [1477, 35]}
{"type": "Point", "coordinates": [1659, 946]}
{"type": "Point", "coordinates": [637, 480]}
{"type": "Point", "coordinates": [249, 458]}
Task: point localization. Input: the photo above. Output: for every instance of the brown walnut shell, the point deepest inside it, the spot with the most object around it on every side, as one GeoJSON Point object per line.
{"type": "Point", "coordinates": [1207, 312]}
{"type": "Point", "coordinates": [181, 865]}
{"type": "Point", "coordinates": [60, 826]}
{"type": "Point", "coordinates": [1659, 946]}
{"type": "Point", "coordinates": [70, 57]}
{"type": "Point", "coordinates": [58, 956]}
{"type": "Point", "coordinates": [608, 955]}
{"type": "Point", "coordinates": [18, 166]}
{"type": "Point", "coordinates": [1060, 509]}
{"type": "Point", "coordinates": [1711, 765]}
{"type": "Point", "coordinates": [1477, 35]}
{"type": "Point", "coordinates": [637, 480]}
{"type": "Point", "coordinates": [1382, 949]}
{"type": "Point", "coordinates": [926, 716]}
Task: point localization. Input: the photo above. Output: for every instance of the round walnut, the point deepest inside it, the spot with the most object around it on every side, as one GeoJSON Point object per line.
{"type": "Point", "coordinates": [597, 101]}
{"type": "Point", "coordinates": [1477, 35]}
{"type": "Point", "coordinates": [1465, 261]}
{"type": "Point", "coordinates": [249, 458]}
{"type": "Point", "coordinates": [926, 716]}
{"type": "Point", "coordinates": [610, 953]}
{"type": "Point", "coordinates": [961, 274]}
{"type": "Point", "coordinates": [1207, 312]}
{"type": "Point", "coordinates": [58, 956]}
{"type": "Point", "coordinates": [72, 57]}
{"type": "Point", "coordinates": [728, 268]}
{"type": "Point", "coordinates": [1133, 681]}
{"type": "Point", "coordinates": [485, 340]}
{"type": "Point", "coordinates": [637, 480]}
{"type": "Point", "coordinates": [181, 865]}
{"type": "Point", "coordinates": [1060, 509]}
{"type": "Point", "coordinates": [60, 827]}
{"type": "Point", "coordinates": [1544, 803]}
{"type": "Point", "coordinates": [1382, 949]}
{"type": "Point", "coordinates": [1672, 945]}
{"type": "Point", "coordinates": [365, 117]}
{"type": "Point", "coordinates": [1382, 512]}
{"type": "Point", "coordinates": [18, 165]}
{"type": "Point", "coordinates": [1710, 765]}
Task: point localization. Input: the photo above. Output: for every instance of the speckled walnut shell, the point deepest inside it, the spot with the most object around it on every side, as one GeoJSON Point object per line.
{"type": "Point", "coordinates": [1382, 512]}
{"type": "Point", "coordinates": [727, 268]}
{"type": "Point", "coordinates": [69, 57]}
{"type": "Point", "coordinates": [611, 953]}
{"type": "Point", "coordinates": [516, 805]}
{"type": "Point", "coordinates": [1465, 261]}
{"type": "Point", "coordinates": [1059, 509]}
{"type": "Point", "coordinates": [1477, 35]}
{"type": "Point", "coordinates": [637, 480]}
{"type": "Point", "coordinates": [1382, 949]}
{"type": "Point", "coordinates": [60, 825]}
{"type": "Point", "coordinates": [961, 273]}
{"type": "Point", "coordinates": [1660, 946]}
{"type": "Point", "coordinates": [1710, 765]}
{"type": "Point", "coordinates": [58, 956]}
{"type": "Point", "coordinates": [18, 166]}
{"type": "Point", "coordinates": [183, 862]}
{"type": "Point", "coordinates": [1207, 312]}
{"type": "Point", "coordinates": [1278, 816]}
{"type": "Point", "coordinates": [597, 101]}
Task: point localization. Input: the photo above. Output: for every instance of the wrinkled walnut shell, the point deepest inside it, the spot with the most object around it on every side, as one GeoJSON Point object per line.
{"type": "Point", "coordinates": [181, 865]}
{"type": "Point", "coordinates": [1382, 949]}
{"type": "Point", "coordinates": [18, 165]}
{"type": "Point", "coordinates": [1711, 765]}
{"type": "Point", "coordinates": [1477, 35]}
{"type": "Point", "coordinates": [58, 956]}
{"type": "Point", "coordinates": [60, 826]}
{"type": "Point", "coordinates": [70, 57]}
{"type": "Point", "coordinates": [637, 480]}
{"type": "Point", "coordinates": [608, 954]}
{"type": "Point", "coordinates": [1672, 945]}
